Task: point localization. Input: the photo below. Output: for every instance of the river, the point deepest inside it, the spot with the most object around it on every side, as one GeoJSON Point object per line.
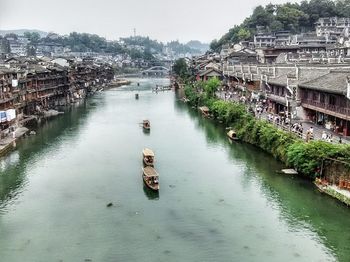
{"type": "Point", "coordinates": [217, 202]}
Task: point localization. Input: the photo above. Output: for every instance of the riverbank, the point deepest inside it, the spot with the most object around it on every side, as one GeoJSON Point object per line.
{"type": "Point", "coordinates": [307, 158]}
{"type": "Point", "coordinates": [75, 164]}
{"type": "Point", "coordinates": [19, 130]}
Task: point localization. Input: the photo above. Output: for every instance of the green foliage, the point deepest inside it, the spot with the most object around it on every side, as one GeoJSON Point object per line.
{"type": "Point", "coordinates": [145, 42]}
{"type": "Point", "coordinates": [180, 68]}
{"type": "Point", "coordinates": [33, 37]}
{"type": "Point", "coordinates": [289, 16]}
{"type": "Point", "coordinates": [211, 86]}
{"type": "Point", "coordinates": [304, 157]}
{"type": "Point", "coordinates": [307, 157]}
{"type": "Point", "coordinates": [243, 34]}
{"type": "Point", "coordinates": [177, 47]}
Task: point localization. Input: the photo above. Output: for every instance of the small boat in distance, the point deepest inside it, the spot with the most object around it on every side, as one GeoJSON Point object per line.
{"type": "Point", "coordinates": [148, 157]}
{"type": "Point", "coordinates": [136, 96]}
{"type": "Point", "coordinates": [146, 125]}
{"type": "Point", "coordinates": [150, 178]}
{"type": "Point", "coordinates": [232, 135]}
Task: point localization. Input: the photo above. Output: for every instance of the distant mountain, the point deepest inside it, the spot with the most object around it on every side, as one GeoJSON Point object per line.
{"type": "Point", "coordinates": [195, 44]}
{"type": "Point", "coordinates": [22, 31]}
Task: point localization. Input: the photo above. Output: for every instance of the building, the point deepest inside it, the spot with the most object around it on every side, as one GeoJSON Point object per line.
{"type": "Point", "coordinates": [31, 86]}
{"type": "Point", "coordinates": [264, 40]}
{"type": "Point", "coordinates": [18, 45]}
{"type": "Point", "coordinates": [326, 100]}
{"type": "Point", "coordinates": [333, 26]}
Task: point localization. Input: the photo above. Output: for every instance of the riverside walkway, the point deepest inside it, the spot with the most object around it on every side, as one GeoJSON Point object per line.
{"type": "Point", "coordinates": [306, 125]}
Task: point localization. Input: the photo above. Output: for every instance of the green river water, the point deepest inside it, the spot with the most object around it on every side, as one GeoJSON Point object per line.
{"type": "Point", "coordinates": [217, 202]}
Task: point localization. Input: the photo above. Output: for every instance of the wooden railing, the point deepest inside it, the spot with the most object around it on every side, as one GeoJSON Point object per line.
{"type": "Point", "coordinates": [326, 106]}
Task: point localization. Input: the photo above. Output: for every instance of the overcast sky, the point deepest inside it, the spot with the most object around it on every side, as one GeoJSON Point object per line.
{"type": "Point", "coordinates": [163, 20]}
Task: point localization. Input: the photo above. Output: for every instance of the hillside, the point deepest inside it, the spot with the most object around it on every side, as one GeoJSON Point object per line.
{"type": "Point", "coordinates": [294, 17]}
{"type": "Point", "coordinates": [22, 31]}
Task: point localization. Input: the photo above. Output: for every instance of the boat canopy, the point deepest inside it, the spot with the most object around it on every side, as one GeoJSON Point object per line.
{"type": "Point", "coordinates": [150, 171]}
{"type": "Point", "coordinates": [204, 109]}
{"type": "Point", "coordinates": [232, 133]}
{"type": "Point", "coordinates": [148, 152]}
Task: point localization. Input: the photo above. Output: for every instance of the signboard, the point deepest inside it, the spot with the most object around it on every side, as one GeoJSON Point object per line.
{"type": "Point", "coordinates": [14, 82]}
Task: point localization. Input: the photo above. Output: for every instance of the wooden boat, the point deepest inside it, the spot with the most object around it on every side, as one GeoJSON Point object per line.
{"type": "Point", "coordinates": [148, 157]}
{"type": "Point", "coordinates": [146, 125]}
{"type": "Point", "coordinates": [204, 110]}
{"type": "Point", "coordinates": [136, 96]}
{"type": "Point", "coordinates": [150, 178]}
{"type": "Point", "coordinates": [321, 184]}
{"type": "Point", "coordinates": [232, 135]}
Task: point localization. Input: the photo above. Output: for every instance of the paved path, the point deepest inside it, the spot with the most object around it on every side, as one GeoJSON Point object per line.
{"type": "Point", "coordinates": [318, 130]}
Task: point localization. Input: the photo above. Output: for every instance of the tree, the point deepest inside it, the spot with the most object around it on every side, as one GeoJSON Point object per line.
{"type": "Point", "coordinates": [290, 16]}
{"type": "Point", "coordinates": [33, 37]}
{"type": "Point", "coordinates": [243, 34]}
{"type": "Point", "coordinates": [31, 50]}
{"type": "Point", "coordinates": [261, 16]}
{"type": "Point", "coordinates": [180, 68]}
{"type": "Point", "coordinates": [211, 86]}
{"type": "Point", "coordinates": [214, 45]}
{"type": "Point", "coordinates": [342, 8]}
{"type": "Point", "coordinates": [316, 9]}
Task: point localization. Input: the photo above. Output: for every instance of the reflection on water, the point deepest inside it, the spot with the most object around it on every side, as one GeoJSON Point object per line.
{"type": "Point", "coordinates": [13, 165]}
{"type": "Point", "coordinates": [220, 201]}
{"type": "Point", "coordinates": [147, 132]}
{"type": "Point", "coordinates": [150, 194]}
{"type": "Point", "coordinates": [299, 203]}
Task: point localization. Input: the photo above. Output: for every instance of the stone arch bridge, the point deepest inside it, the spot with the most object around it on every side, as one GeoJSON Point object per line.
{"type": "Point", "coordinates": [158, 71]}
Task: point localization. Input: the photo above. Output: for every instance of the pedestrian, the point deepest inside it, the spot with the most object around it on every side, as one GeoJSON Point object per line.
{"type": "Point", "coordinates": [324, 135]}
{"type": "Point", "coordinates": [307, 135]}
{"type": "Point", "coordinates": [329, 138]}
{"type": "Point", "coordinates": [340, 140]}
{"type": "Point", "coordinates": [311, 130]}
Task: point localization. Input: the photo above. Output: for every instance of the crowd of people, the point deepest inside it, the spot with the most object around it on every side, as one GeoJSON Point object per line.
{"type": "Point", "coordinates": [258, 107]}
{"type": "Point", "coordinates": [298, 129]}
{"type": "Point", "coordinates": [278, 119]}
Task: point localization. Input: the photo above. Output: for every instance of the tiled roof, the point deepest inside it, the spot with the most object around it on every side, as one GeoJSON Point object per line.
{"type": "Point", "coordinates": [333, 82]}
{"type": "Point", "coordinates": [218, 72]}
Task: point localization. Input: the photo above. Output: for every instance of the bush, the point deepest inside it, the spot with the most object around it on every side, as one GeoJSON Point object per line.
{"type": "Point", "coordinates": [306, 158]}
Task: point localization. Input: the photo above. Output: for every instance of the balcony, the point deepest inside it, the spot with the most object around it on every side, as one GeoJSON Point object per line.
{"type": "Point", "coordinates": [277, 98]}
{"type": "Point", "coordinates": [334, 110]}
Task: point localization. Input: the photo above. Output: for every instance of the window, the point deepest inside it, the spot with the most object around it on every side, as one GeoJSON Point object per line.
{"type": "Point", "coordinates": [305, 94]}
{"type": "Point", "coordinates": [322, 98]}
{"type": "Point", "coordinates": [332, 100]}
